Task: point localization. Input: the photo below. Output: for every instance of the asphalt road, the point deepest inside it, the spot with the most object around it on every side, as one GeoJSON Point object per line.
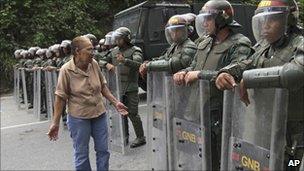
{"type": "Point", "coordinates": [25, 145]}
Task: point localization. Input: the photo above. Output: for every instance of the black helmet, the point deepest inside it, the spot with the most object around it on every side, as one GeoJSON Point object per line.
{"type": "Point", "coordinates": [92, 38]}
{"type": "Point", "coordinates": [123, 32]}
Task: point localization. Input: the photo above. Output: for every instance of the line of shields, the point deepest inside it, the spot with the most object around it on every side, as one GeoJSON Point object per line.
{"type": "Point", "coordinates": [35, 88]}
{"type": "Point", "coordinates": [179, 127]}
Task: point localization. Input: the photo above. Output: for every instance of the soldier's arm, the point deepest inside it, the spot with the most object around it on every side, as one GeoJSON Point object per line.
{"type": "Point", "coordinates": [192, 65]}
{"type": "Point", "coordinates": [135, 62]}
{"type": "Point", "coordinates": [159, 58]}
{"type": "Point", "coordinates": [290, 75]}
{"type": "Point", "coordinates": [237, 69]}
{"type": "Point", "coordinates": [171, 64]}
{"type": "Point", "coordinates": [158, 64]}
{"type": "Point", "coordinates": [105, 59]}
{"type": "Point", "coordinates": [187, 57]}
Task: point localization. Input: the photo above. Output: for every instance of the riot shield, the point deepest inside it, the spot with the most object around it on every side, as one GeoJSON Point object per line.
{"type": "Point", "coordinates": [24, 88]}
{"type": "Point", "coordinates": [37, 93]}
{"type": "Point", "coordinates": [188, 114]}
{"type": "Point", "coordinates": [157, 122]}
{"type": "Point", "coordinates": [18, 87]}
{"type": "Point", "coordinates": [15, 84]}
{"type": "Point", "coordinates": [253, 137]}
{"type": "Point", "coordinates": [49, 93]}
{"type": "Point", "coordinates": [302, 164]}
{"type": "Point", "coordinates": [117, 134]}
{"type": "Point", "coordinates": [54, 76]}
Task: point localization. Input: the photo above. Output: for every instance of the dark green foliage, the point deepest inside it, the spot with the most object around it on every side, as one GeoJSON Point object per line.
{"type": "Point", "coordinates": [26, 23]}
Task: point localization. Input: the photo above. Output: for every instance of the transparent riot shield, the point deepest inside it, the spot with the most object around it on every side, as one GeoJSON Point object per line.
{"type": "Point", "coordinates": [189, 121]}
{"type": "Point", "coordinates": [302, 164]}
{"type": "Point", "coordinates": [55, 79]}
{"type": "Point", "coordinates": [24, 88]}
{"type": "Point", "coordinates": [15, 84]}
{"type": "Point", "coordinates": [37, 93]}
{"type": "Point", "coordinates": [253, 137]}
{"type": "Point", "coordinates": [49, 93]}
{"type": "Point", "coordinates": [117, 133]}
{"type": "Point", "coordinates": [157, 150]}
{"type": "Point", "coordinates": [53, 87]}
{"type": "Point", "coordinates": [18, 87]}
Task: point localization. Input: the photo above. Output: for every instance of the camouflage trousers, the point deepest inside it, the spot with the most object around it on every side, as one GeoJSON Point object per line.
{"type": "Point", "coordinates": [131, 100]}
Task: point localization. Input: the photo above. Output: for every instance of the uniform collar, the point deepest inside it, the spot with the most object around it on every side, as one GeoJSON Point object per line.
{"type": "Point", "coordinates": [71, 66]}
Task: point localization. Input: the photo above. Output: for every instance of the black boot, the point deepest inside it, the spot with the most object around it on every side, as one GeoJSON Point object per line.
{"type": "Point", "coordinates": [138, 142]}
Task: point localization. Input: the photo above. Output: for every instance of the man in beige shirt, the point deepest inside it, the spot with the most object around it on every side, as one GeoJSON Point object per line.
{"type": "Point", "coordinates": [81, 85]}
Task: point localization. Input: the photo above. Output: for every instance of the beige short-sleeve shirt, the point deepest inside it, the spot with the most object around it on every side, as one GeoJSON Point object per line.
{"type": "Point", "coordinates": [81, 90]}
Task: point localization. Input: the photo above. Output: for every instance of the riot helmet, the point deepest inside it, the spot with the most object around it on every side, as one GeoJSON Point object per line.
{"type": "Point", "coordinates": [92, 38]}
{"type": "Point", "coordinates": [65, 46]}
{"type": "Point", "coordinates": [177, 28]}
{"type": "Point", "coordinates": [109, 41]}
{"type": "Point", "coordinates": [122, 33]}
{"type": "Point", "coordinates": [273, 18]}
{"type": "Point", "coordinates": [215, 15]}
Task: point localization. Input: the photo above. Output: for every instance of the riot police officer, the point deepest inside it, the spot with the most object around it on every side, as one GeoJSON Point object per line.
{"type": "Point", "coordinates": [220, 47]}
{"type": "Point", "coordinates": [38, 64]}
{"type": "Point", "coordinates": [103, 58]}
{"type": "Point", "coordinates": [130, 58]}
{"type": "Point", "coordinates": [182, 50]}
{"type": "Point", "coordinates": [65, 48]}
{"type": "Point", "coordinates": [278, 39]}
{"type": "Point", "coordinates": [19, 65]}
{"type": "Point", "coordinates": [101, 45]}
{"type": "Point", "coordinates": [29, 64]}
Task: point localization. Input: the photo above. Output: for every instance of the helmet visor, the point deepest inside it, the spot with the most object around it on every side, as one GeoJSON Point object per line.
{"type": "Point", "coordinates": [269, 25]}
{"type": "Point", "coordinates": [205, 24]}
{"type": "Point", "coordinates": [176, 33]}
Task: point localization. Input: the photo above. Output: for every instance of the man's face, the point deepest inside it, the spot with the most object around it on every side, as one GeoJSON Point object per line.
{"type": "Point", "coordinates": [103, 47]}
{"type": "Point", "coordinates": [272, 28]}
{"type": "Point", "coordinates": [57, 54]}
{"type": "Point", "coordinates": [86, 52]}
{"type": "Point", "coordinates": [119, 41]}
{"type": "Point", "coordinates": [209, 24]}
{"type": "Point", "coordinates": [176, 34]}
{"type": "Point", "coordinates": [65, 51]}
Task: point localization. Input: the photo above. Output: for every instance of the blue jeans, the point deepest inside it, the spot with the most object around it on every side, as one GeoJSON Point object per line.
{"type": "Point", "coordinates": [80, 132]}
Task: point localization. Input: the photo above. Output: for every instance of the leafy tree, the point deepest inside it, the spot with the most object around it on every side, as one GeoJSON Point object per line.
{"type": "Point", "coordinates": [26, 23]}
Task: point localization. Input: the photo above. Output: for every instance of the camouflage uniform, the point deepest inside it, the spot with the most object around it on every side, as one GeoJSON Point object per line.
{"type": "Point", "coordinates": [28, 65]}
{"type": "Point", "coordinates": [267, 55]}
{"type": "Point", "coordinates": [177, 57]}
{"type": "Point", "coordinates": [210, 58]}
{"type": "Point", "coordinates": [129, 82]}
